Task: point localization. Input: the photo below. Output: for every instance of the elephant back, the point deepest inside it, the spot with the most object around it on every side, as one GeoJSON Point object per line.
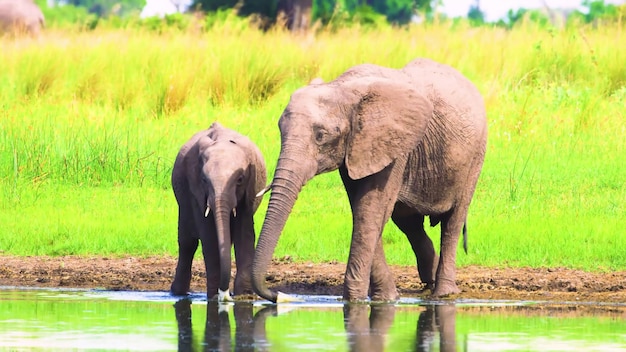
{"type": "Point", "coordinates": [458, 129]}
{"type": "Point", "coordinates": [448, 89]}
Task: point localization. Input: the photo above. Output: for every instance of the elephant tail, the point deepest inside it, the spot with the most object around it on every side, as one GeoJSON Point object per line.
{"type": "Point", "coordinates": [465, 237]}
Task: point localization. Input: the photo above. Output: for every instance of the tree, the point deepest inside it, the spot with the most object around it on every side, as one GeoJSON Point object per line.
{"type": "Point", "coordinates": [475, 14]}
{"type": "Point", "coordinates": [400, 11]}
{"type": "Point", "coordinates": [103, 8]}
{"type": "Point", "coordinates": [598, 10]}
{"type": "Point", "coordinates": [300, 13]}
{"type": "Point", "coordinates": [297, 13]}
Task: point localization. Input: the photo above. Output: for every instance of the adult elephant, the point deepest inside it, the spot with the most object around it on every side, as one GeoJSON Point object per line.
{"type": "Point", "coordinates": [215, 179]}
{"type": "Point", "coordinates": [20, 16]}
{"type": "Point", "coordinates": [408, 143]}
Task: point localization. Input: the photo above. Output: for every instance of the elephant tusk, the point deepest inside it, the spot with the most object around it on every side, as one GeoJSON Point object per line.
{"type": "Point", "coordinates": [264, 190]}
{"type": "Point", "coordinates": [234, 212]}
{"type": "Point", "coordinates": [206, 212]}
{"type": "Point", "coordinates": [224, 296]}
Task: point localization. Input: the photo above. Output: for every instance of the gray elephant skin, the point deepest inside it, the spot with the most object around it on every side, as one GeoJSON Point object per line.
{"type": "Point", "coordinates": [215, 179]}
{"type": "Point", "coordinates": [20, 16]}
{"type": "Point", "coordinates": [408, 143]}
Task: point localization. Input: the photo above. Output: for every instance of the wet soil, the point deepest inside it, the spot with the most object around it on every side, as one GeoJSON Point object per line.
{"type": "Point", "coordinates": [156, 273]}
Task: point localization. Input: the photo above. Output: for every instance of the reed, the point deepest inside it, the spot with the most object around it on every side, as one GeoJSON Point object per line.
{"type": "Point", "coordinates": [91, 123]}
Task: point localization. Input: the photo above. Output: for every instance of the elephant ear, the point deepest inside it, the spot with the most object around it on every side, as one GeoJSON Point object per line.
{"type": "Point", "coordinates": [257, 176]}
{"type": "Point", "coordinates": [206, 141]}
{"type": "Point", "coordinates": [388, 122]}
{"type": "Point", "coordinates": [212, 135]}
{"type": "Point", "coordinates": [214, 130]}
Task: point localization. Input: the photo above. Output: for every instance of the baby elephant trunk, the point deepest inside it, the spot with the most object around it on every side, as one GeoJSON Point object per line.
{"type": "Point", "coordinates": [222, 223]}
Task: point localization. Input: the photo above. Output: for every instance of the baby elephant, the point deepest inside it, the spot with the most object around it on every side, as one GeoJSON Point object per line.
{"type": "Point", "coordinates": [216, 177]}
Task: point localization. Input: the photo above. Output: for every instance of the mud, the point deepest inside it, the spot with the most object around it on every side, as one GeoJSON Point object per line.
{"type": "Point", "coordinates": [156, 273]}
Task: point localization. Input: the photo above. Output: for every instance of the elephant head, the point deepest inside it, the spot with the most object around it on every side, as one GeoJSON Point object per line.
{"type": "Point", "coordinates": [362, 121]}
{"type": "Point", "coordinates": [20, 16]}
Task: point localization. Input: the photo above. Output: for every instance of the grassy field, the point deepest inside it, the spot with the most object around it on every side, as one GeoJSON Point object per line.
{"type": "Point", "coordinates": [90, 124]}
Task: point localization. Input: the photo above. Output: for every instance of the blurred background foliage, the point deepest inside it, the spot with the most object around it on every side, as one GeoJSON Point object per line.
{"type": "Point", "coordinates": [302, 14]}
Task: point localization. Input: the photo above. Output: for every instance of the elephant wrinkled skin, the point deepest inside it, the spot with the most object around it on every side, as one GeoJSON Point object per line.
{"type": "Point", "coordinates": [20, 16]}
{"type": "Point", "coordinates": [408, 143]}
{"type": "Point", "coordinates": [215, 179]}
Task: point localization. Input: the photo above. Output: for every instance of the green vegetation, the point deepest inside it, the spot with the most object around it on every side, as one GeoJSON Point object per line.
{"type": "Point", "coordinates": [90, 124]}
{"type": "Point", "coordinates": [90, 14]}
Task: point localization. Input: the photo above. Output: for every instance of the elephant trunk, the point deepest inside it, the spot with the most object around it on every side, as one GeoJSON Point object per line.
{"type": "Point", "coordinates": [286, 185]}
{"type": "Point", "coordinates": [222, 225]}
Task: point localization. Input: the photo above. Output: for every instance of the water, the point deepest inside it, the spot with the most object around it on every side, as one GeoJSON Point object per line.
{"type": "Point", "coordinates": [155, 321]}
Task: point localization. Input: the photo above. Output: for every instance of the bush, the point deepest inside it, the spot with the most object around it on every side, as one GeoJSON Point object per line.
{"type": "Point", "coordinates": [68, 16]}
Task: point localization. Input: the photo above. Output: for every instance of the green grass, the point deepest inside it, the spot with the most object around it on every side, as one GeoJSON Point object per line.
{"type": "Point", "coordinates": [90, 123]}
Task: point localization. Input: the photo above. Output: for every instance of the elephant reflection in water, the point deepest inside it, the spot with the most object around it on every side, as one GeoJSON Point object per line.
{"type": "Point", "coordinates": [249, 329]}
{"type": "Point", "coordinates": [183, 319]}
{"type": "Point", "coordinates": [437, 319]}
{"type": "Point", "coordinates": [366, 327]}
{"type": "Point", "coordinates": [368, 332]}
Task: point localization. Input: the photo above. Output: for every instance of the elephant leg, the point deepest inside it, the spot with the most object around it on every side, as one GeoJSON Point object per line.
{"type": "Point", "coordinates": [413, 227]}
{"type": "Point", "coordinates": [371, 199]}
{"type": "Point", "coordinates": [445, 281]}
{"type": "Point", "coordinates": [450, 231]}
{"type": "Point", "coordinates": [382, 288]}
{"type": "Point", "coordinates": [211, 264]}
{"type": "Point", "coordinates": [243, 241]}
{"type": "Point", "coordinates": [187, 246]}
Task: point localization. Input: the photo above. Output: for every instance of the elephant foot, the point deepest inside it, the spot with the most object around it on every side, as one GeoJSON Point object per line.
{"type": "Point", "coordinates": [179, 293]}
{"type": "Point", "coordinates": [178, 289]}
{"type": "Point", "coordinates": [243, 291]}
{"type": "Point", "coordinates": [353, 295]}
{"type": "Point", "coordinates": [355, 299]}
{"type": "Point", "coordinates": [445, 288]}
{"type": "Point", "coordinates": [385, 291]}
{"type": "Point", "coordinates": [388, 296]}
{"type": "Point", "coordinates": [243, 285]}
{"type": "Point", "coordinates": [429, 286]}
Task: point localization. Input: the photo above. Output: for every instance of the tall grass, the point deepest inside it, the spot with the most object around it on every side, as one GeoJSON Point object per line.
{"type": "Point", "coordinates": [90, 124]}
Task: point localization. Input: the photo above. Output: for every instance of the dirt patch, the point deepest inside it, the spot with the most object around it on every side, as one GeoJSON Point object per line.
{"type": "Point", "coordinates": [156, 273]}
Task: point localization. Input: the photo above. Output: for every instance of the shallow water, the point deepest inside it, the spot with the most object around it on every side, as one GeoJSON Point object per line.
{"type": "Point", "coordinates": [155, 321]}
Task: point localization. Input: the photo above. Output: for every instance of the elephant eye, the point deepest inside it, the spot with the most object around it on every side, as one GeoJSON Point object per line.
{"type": "Point", "coordinates": [320, 134]}
{"type": "Point", "coordinates": [239, 180]}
